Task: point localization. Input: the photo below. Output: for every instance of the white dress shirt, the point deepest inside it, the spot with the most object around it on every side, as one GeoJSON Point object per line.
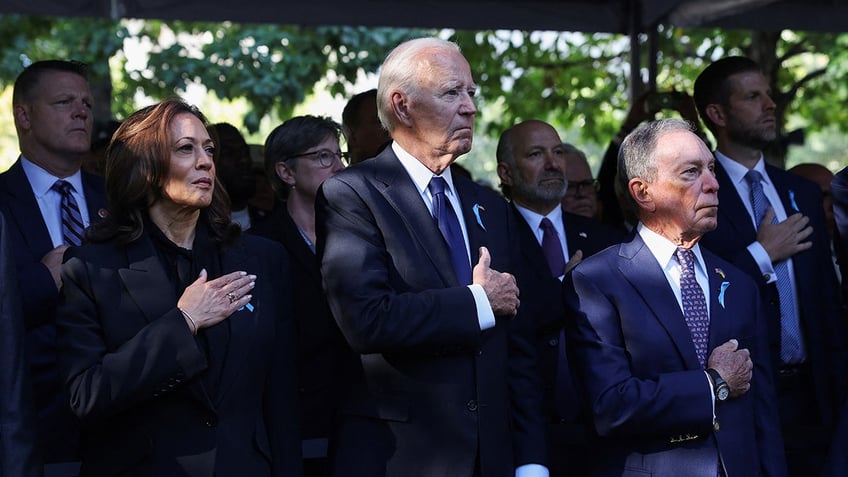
{"type": "Point", "coordinates": [50, 200]}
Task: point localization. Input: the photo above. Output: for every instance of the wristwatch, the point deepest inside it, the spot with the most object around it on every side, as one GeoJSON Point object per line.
{"type": "Point", "coordinates": [720, 387]}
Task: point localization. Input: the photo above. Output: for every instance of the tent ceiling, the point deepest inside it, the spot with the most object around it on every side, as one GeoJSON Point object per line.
{"type": "Point", "coordinates": [614, 16]}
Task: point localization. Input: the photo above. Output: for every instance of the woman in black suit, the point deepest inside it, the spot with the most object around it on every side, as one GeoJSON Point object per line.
{"type": "Point", "coordinates": [299, 155]}
{"type": "Point", "coordinates": [175, 334]}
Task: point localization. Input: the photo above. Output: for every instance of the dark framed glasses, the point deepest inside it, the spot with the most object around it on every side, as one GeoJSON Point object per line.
{"type": "Point", "coordinates": [325, 157]}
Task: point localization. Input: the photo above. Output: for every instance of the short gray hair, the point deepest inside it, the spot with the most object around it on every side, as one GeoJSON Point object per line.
{"type": "Point", "coordinates": [400, 72]}
{"type": "Point", "coordinates": [637, 155]}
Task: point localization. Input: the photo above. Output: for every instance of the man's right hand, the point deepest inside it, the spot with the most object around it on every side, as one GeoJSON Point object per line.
{"type": "Point", "coordinates": [53, 261]}
{"type": "Point", "coordinates": [734, 365]}
{"type": "Point", "coordinates": [500, 288]}
{"type": "Point", "coordinates": [784, 239]}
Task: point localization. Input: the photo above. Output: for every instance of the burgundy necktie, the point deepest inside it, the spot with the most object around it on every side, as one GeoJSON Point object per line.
{"type": "Point", "coordinates": [552, 247]}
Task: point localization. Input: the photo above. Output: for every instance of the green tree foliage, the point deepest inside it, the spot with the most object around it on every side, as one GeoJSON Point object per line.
{"type": "Point", "coordinates": [272, 67]}
{"type": "Point", "coordinates": [576, 81]}
{"type": "Point", "coordinates": [582, 81]}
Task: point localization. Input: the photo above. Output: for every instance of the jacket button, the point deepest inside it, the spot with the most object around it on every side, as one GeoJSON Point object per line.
{"type": "Point", "coordinates": [479, 352]}
{"type": "Point", "coordinates": [210, 421]}
{"type": "Point", "coordinates": [471, 405]}
{"type": "Point", "coordinates": [553, 342]}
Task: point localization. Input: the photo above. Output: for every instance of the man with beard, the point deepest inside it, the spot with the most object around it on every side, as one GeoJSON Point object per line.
{"type": "Point", "coordinates": [532, 170]}
{"type": "Point", "coordinates": [771, 224]}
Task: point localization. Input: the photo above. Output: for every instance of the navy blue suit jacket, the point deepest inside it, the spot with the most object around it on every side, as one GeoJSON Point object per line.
{"type": "Point", "coordinates": [817, 287]}
{"type": "Point", "coordinates": [17, 414]}
{"type": "Point", "coordinates": [649, 396]}
{"type": "Point", "coordinates": [430, 391]}
{"type": "Point", "coordinates": [30, 241]}
{"type": "Point", "coordinates": [138, 378]}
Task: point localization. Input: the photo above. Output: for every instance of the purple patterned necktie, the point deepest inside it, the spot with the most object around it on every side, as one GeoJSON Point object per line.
{"type": "Point", "coordinates": [448, 223]}
{"type": "Point", "coordinates": [791, 345]}
{"type": "Point", "coordinates": [694, 304]}
{"type": "Point", "coordinates": [72, 226]}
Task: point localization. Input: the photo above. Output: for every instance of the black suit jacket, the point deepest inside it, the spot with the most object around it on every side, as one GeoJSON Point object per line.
{"type": "Point", "coordinates": [541, 301]}
{"type": "Point", "coordinates": [431, 392]}
{"type": "Point", "coordinates": [817, 286]}
{"type": "Point", "coordinates": [136, 374]}
{"type": "Point", "coordinates": [320, 345]}
{"type": "Point", "coordinates": [30, 241]}
{"type": "Point", "coordinates": [17, 414]}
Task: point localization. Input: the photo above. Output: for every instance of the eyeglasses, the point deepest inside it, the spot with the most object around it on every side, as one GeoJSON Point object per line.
{"type": "Point", "coordinates": [325, 157]}
{"type": "Point", "coordinates": [574, 188]}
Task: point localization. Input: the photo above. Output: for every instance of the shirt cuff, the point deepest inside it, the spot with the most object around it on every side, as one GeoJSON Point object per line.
{"type": "Point", "coordinates": [763, 261]}
{"type": "Point", "coordinates": [485, 316]}
{"type": "Point", "coordinates": [531, 470]}
{"type": "Point", "coordinates": [712, 394]}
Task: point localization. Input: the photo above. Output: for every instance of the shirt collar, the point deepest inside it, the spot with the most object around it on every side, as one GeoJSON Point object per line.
{"type": "Point", "coordinates": [534, 219]}
{"type": "Point", "coordinates": [419, 173]}
{"type": "Point", "coordinates": [664, 249]}
{"type": "Point", "coordinates": [41, 181]}
{"type": "Point", "coordinates": [737, 171]}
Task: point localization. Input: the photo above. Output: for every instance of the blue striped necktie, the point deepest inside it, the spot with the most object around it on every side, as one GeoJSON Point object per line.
{"type": "Point", "coordinates": [72, 226]}
{"type": "Point", "coordinates": [791, 345]}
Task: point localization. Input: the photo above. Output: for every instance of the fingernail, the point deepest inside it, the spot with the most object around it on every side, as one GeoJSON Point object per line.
{"type": "Point", "coordinates": [253, 277]}
{"type": "Point", "coordinates": [242, 273]}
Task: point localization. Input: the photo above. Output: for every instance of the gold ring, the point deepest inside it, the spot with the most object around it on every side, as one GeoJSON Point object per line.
{"type": "Point", "coordinates": [231, 297]}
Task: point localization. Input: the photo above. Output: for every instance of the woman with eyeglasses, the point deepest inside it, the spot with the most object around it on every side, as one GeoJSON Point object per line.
{"type": "Point", "coordinates": [299, 155]}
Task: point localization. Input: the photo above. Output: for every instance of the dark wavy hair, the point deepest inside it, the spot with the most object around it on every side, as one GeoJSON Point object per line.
{"type": "Point", "coordinates": [137, 165]}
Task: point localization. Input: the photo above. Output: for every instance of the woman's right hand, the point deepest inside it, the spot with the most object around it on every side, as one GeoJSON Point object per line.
{"type": "Point", "coordinates": [208, 303]}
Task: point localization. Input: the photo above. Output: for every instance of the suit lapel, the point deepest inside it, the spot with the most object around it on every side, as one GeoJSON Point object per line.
{"type": "Point", "coordinates": [297, 246]}
{"type": "Point", "coordinates": [146, 281]}
{"type": "Point", "coordinates": [392, 180]}
{"type": "Point", "coordinates": [468, 200]}
{"type": "Point", "coordinates": [531, 250]}
{"type": "Point", "coordinates": [24, 210]}
{"type": "Point", "coordinates": [731, 204]}
{"type": "Point", "coordinates": [242, 323]}
{"type": "Point", "coordinates": [641, 269]}
{"type": "Point", "coordinates": [791, 203]}
{"type": "Point", "coordinates": [95, 197]}
{"type": "Point", "coordinates": [720, 321]}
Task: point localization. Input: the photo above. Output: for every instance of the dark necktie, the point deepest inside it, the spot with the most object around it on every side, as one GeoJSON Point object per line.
{"type": "Point", "coordinates": [552, 247]}
{"type": "Point", "coordinates": [565, 393]}
{"type": "Point", "coordinates": [791, 346]}
{"type": "Point", "coordinates": [448, 223]}
{"type": "Point", "coordinates": [694, 304]}
{"type": "Point", "coordinates": [72, 226]}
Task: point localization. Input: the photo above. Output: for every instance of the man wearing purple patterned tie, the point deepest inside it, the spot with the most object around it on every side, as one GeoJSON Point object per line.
{"type": "Point", "coordinates": [670, 340]}
{"type": "Point", "coordinates": [53, 118]}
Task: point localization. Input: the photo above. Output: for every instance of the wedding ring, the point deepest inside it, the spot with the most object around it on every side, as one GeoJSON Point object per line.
{"type": "Point", "coordinates": [231, 297]}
